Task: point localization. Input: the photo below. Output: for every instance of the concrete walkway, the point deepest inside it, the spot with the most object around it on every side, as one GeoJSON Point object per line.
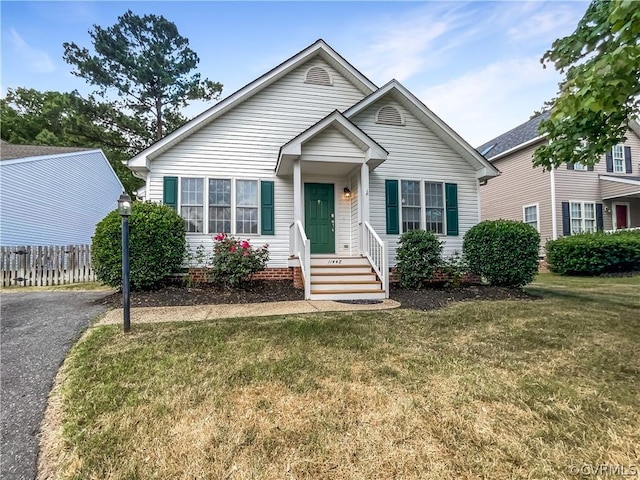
{"type": "Point", "coordinates": [195, 313]}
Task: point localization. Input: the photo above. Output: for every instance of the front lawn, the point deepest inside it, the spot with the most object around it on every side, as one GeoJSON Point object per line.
{"type": "Point", "coordinates": [491, 389]}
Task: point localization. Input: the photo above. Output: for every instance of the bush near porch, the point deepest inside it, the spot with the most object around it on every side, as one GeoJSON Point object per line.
{"type": "Point", "coordinates": [595, 253]}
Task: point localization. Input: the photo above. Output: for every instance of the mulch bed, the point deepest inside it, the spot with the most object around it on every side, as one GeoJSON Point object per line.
{"type": "Point", "coordinates": [177, 294]}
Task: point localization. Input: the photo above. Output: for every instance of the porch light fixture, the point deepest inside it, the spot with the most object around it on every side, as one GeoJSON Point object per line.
{"type": "Point", "coordinates": [124, 210]}
{"type": "Point", "coordinates": [347, 192]}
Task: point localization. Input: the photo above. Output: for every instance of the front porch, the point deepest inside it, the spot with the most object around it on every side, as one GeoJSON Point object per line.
{"type": "Point", "coordinates": [621, 198]}
{"type": "Point", "coordinates": [340, 255]}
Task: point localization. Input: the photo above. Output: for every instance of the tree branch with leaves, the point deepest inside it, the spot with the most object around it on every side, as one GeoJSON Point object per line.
{"type": "Point", "coordinates": [601, 91]}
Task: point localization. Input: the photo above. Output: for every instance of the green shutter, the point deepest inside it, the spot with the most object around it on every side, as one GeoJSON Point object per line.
{"type": "Point", "coordinates": [267, 208]}
{"type": "Point", "coordinates": [170, 192]}
{"type": "Point", "coordinates": [391, 197]}
{"type": "Point", "coordinates": [451, 197]}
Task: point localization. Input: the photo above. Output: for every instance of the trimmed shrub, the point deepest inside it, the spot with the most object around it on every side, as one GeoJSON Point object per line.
{"type": "Point", "coordinates": [417, 257]}
{"type": "Point", "coordinates": [504, 252]}
{"type": "Point", "coordinates": [454, 267]}
{"type": "Point", "coordinates": [156, 246]}
{"type": "Point", "coordinates": [595, 253]}
{"type": "Point", "coordinates": [234, 261]}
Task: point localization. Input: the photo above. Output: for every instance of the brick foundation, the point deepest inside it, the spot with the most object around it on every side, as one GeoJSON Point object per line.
{"type": "Point", "coordinates": [274, 274]}
{"type": "Point", "coordinates": [438, 277]}
{"type": "Point", "coordinates": [201, 275]}
{"type": "Point", "coordinates": [298, 281]}
{"type": "Point", "coordinates": [542, 266]}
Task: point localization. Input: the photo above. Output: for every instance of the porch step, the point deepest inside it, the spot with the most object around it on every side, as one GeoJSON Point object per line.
{"type": "Point", "coordinates": [340, 270]}
{"type": "Point", "coordinates": [350, 295]}
{"type": "Point", "coordinates": [333, 261]}
{"type": "Point", "coordinates": [344, 278]}
{"type": "Point", "coordinates": [343, 286]}
{"type": "Point", "coordinates": [320, 277]}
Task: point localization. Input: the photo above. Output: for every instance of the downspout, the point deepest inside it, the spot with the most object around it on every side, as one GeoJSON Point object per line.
{"type": "Point", "coordinates": [554, 214]}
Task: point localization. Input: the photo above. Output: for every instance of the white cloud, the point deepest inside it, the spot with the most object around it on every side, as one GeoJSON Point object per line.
{"type": "Point", "coordinates": [544, 25]}
{"type": "Point", "coordinates": [402, 47]}
{"type": "Point", "coordinates": [35, 60]}
{"type": "Point", "coordinates": [484, 104]}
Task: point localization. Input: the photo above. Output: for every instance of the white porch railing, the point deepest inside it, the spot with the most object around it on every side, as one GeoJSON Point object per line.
{"type": "Point", "coordinates": [300, 246]}
{"type": "Point", "coordinates": [376, 251]}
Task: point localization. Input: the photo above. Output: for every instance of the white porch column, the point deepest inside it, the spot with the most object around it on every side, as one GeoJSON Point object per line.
{"type": "Point", "coordinates": [364, 192]}
{"type": "Point", "coordinates": [297, 191]}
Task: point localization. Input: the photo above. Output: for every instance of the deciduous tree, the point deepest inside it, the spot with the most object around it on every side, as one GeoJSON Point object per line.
{"type": "Point", "coordinates": [31, 117]}
{"type": "Point", "coordinates": [601, 91]}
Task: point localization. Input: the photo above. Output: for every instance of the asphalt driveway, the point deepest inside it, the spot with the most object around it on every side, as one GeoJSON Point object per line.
{"type": "Point", "coordinates": [36, 331]}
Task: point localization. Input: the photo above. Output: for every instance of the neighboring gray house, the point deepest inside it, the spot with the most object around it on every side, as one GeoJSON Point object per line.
{"type": "Point", "coordinates": [324, 166]}
{"type": "Point", "coordinates": [53, 195]}
{"type": "Point", "coordinates": [568, 199]}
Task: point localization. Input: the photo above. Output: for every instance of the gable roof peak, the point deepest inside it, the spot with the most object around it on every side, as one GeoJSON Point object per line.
{"type": "Point", "coordinates": [360, 81]}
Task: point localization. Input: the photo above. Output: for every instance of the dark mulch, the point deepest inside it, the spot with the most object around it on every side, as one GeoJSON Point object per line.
{"type": "Point", "coordinates": [438, 297]}
{"type": "Point", "coordinates": [176, 294]}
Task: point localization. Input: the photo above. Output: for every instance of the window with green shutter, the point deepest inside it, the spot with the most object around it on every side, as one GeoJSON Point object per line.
{"type": "Point", "coordinates": [391, 202]}
{"type": "Point", "coordinates": [267, 208]}
{"type": "Point", "coordinates": [170, 192]}
{"type": "Point", "coordinates": [451, 198]}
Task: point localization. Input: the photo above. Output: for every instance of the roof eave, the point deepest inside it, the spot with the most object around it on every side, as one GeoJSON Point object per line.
{"type": "Point", "coordinates": [470, 153]}
{"type": "Point", "coordinates": [318, 47]}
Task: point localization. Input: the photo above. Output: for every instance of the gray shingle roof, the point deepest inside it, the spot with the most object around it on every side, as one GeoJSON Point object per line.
{"type": "Point", "coordinates": [9, 151]}
{"type": "Point", "coordinates": [514, 137]}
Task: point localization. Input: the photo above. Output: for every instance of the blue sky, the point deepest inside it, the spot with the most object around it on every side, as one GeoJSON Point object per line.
{"type": "Point", "coordinates": [475, 64]}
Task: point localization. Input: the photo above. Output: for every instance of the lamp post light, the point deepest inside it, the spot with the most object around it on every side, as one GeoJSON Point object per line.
{"type": "Point", "coordinates": [124, 209]}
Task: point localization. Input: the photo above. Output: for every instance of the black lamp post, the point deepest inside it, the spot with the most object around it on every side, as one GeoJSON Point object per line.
{"type": "Point", "coordinates": [124, 209]}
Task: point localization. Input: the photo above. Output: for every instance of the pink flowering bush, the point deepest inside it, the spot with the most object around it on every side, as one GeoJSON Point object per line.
{"type": "Point", "coordinates": [235, 261]}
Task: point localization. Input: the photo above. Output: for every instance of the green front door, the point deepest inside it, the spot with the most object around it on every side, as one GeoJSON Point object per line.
{"type": "Point", "coordinates": [319, 217]}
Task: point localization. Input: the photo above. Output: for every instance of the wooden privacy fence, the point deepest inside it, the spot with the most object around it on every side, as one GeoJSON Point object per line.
{"type": "Point", "coordinates": [41, 266]}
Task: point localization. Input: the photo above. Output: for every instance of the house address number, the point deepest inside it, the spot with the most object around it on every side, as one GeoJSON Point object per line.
{"type": "Point", "coordinates": [335, 261]}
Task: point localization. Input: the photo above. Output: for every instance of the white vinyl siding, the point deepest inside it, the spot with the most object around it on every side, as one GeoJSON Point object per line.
{"type": "Point", "coordinates": [244, 143]}
{"type": "Point", "coordinates": [56, 199]}
{"type": "Point", "coordinates": [530, 216]}
{"type": "Point", "coordinates": [415, 152]}
{"type": "Point", "coordinates": [583, 217]}
{"type": "Point", "coordinates": [192, 204]}
{"type": "Point", "coordinates": [618, 159]}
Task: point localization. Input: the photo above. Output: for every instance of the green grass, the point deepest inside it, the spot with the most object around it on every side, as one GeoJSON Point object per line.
{"type": "Point", "coordinates": [507, 389]}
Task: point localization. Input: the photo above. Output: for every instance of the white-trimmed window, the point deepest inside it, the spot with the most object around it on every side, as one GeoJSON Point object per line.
{"type": "Point", "coordinates": [410, 198]}
{"type": "Point", "coordinates": [192, 204]}
{"type": "Point", "coordinates": [219, 205]}
{"type": "Point", "coordinates": [530, 215]}
{"type": "Point", "coordinates": [247, 206]}
{"type": "Point", "coordinates": [579, 166]}
{"type": "Point", "coordinates": [434, 207]}
{"type": "Point", "coordinates": [618, 158]}
{"type": "Point", "coordinates": [583, 217]}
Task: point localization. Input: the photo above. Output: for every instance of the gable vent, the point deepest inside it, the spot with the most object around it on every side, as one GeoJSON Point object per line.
{"type": "Point", "coordinates": [318, 76]}
{"type": "Point", "coordinates": [389, 116]}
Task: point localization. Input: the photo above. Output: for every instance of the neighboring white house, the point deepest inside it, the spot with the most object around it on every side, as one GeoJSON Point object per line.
{"type": "Point", "coordinates": [53, 195]}
{"type": "Point", "coordinates": [328, 169]}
